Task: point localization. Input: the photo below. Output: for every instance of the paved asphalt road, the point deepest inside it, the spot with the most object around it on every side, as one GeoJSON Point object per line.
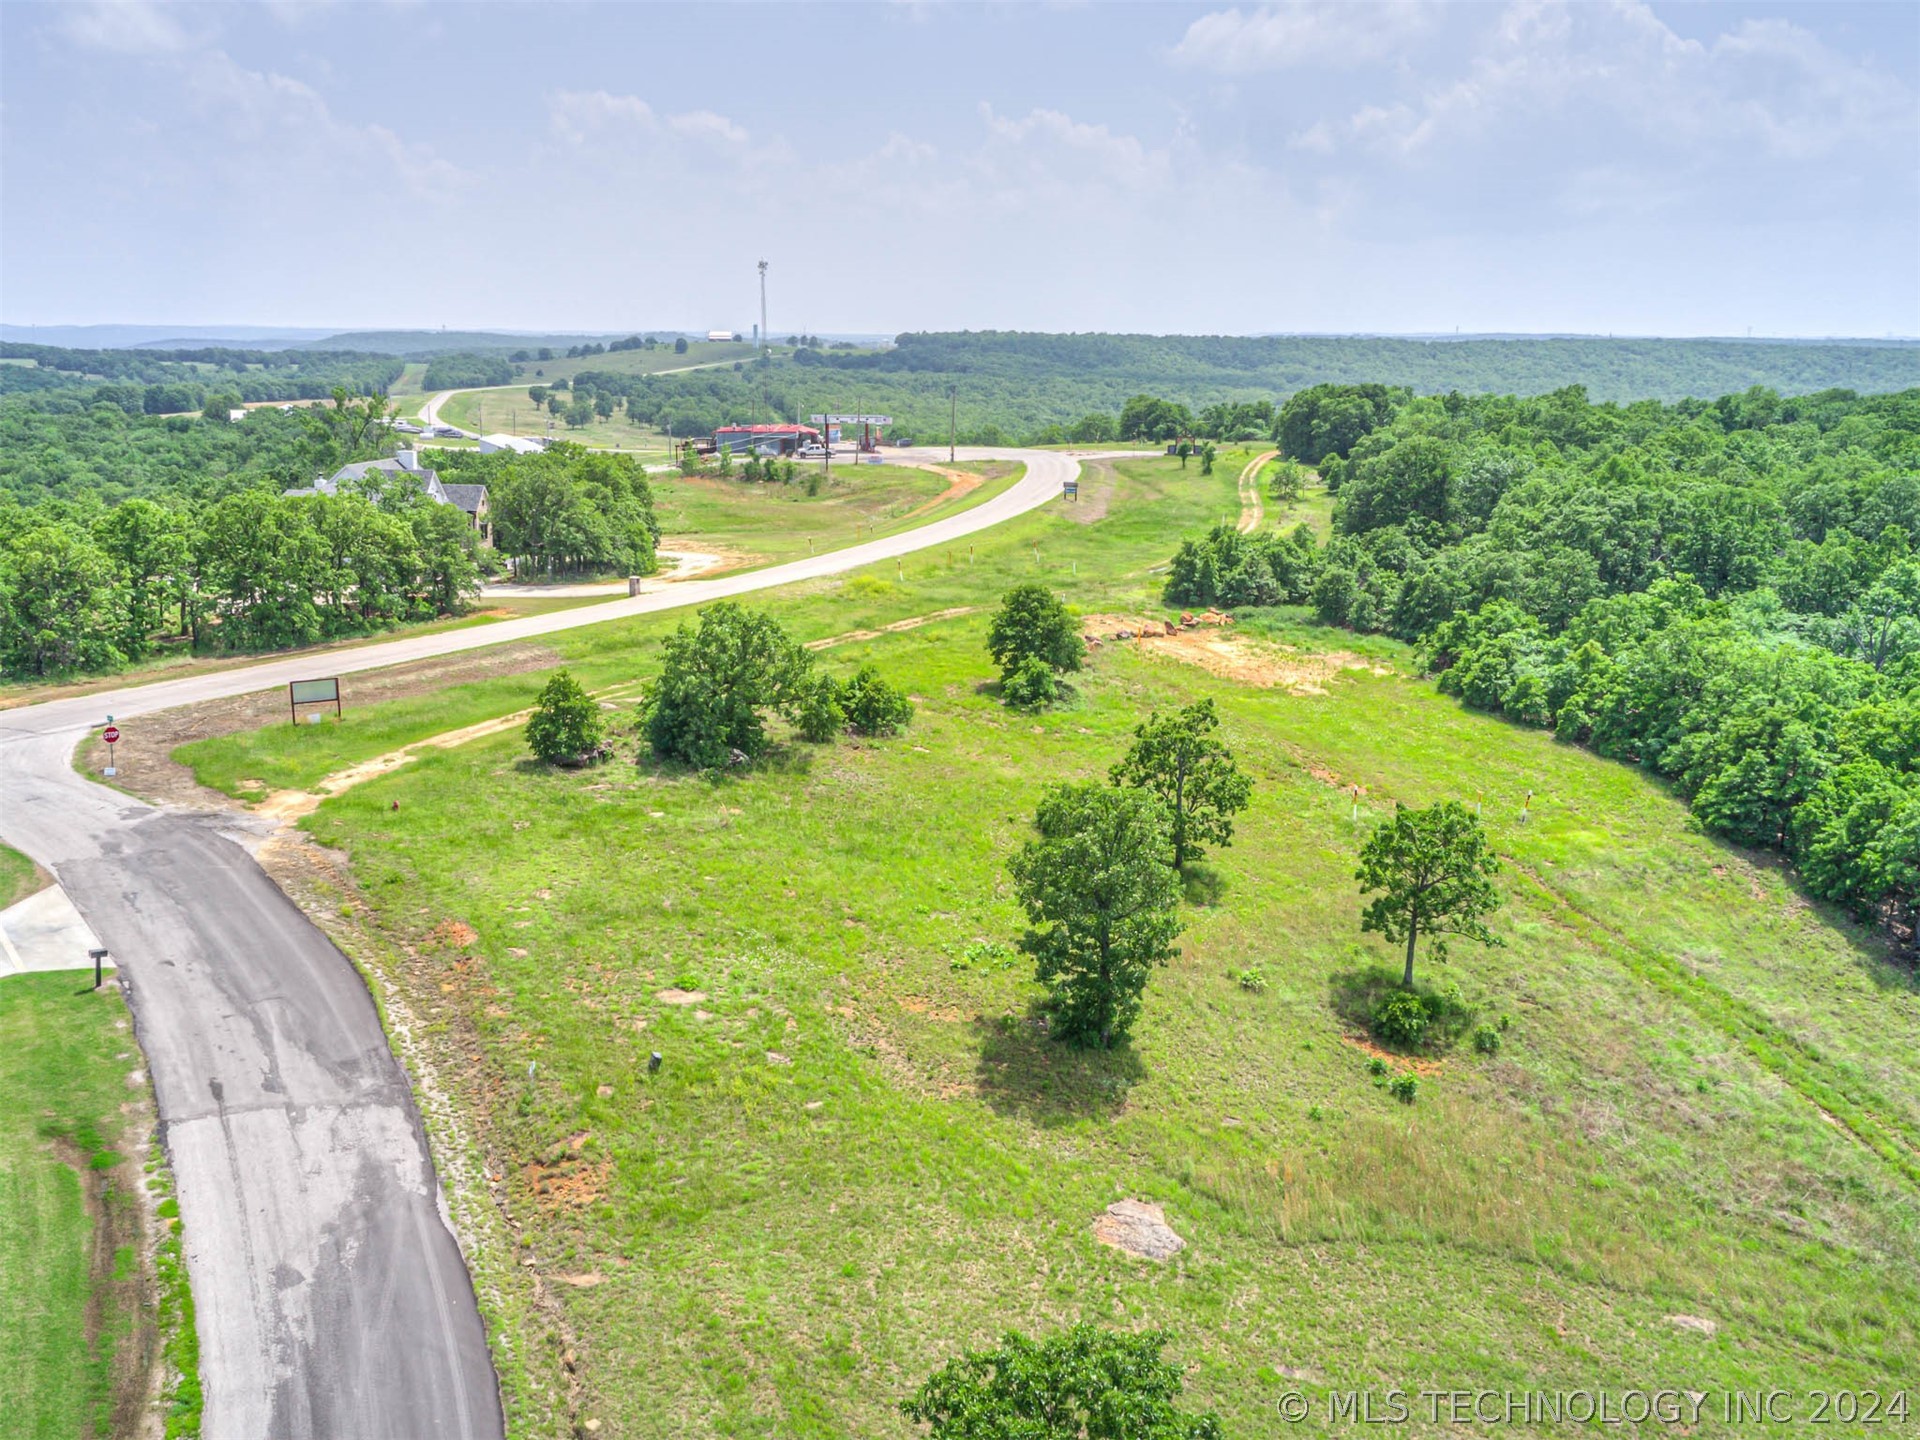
{"type": "Point", "coordinates": [331, 1296]}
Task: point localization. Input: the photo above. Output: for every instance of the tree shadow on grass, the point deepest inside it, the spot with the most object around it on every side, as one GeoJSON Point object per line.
{"type": "Point", "coordinates": [1025, 1074]}
{"type": "Point", "coordinates": [778, 759]}
{"type": "Point", "coordinates": [1066, 696]}
{"type": "Point", "coordinates": [1352, 994]}
{"type": "Point", "coordinates": [1202, 885]}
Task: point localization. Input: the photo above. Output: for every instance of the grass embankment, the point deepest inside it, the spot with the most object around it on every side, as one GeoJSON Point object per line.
{"type": "Point", "coordinates": [177, 662]}
{"type": "Point", "coordinates": [767, 524]}
{"type": "Point", "coordinates": [756, 524]}
{"type": "Point", "coordinates": [19, 877]}
{"type": "Point", "coordinates": [779, 522]}
{"type": "Point", "coordinates": [860, 1155]}
{"type": "Point", "coordinates": [78, 1301]}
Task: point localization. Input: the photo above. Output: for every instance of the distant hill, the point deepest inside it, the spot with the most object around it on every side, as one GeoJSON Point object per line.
{"type": "Point", "coordinates": [425, 344]}
{"type": "Point", "coordinates": [162, 337]}
{"type": "Point", "coordinates": [1205, 367]}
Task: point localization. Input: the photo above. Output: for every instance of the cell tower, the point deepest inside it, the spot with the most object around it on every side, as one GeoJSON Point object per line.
{"type": "Point", "coordinates": [766, 345]}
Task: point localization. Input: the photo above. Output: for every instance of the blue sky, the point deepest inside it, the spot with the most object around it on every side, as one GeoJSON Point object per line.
{"type": "Point", "coordinates": [1413, 166]}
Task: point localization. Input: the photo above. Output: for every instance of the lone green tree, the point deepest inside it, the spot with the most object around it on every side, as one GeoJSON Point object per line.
{"type": "Point", "coordinates": [1084, 1383]}
{"type": "Point", "coordinates": [565, 725]}
{"type": "Point", "coordinates": [1207, 454]}
{"type": "Point", "coordinates": [1104, 904]}
{"type": "Point", "coordinates": [717, 681]}
{"type": "Point", "coordinates": [1033, 624]}
{"type": "Point", "coordinates": [1435, 871]}
{"type": "Point", "coordinates": [873, 706]}
{"type": "Point", "coordinates": [1177, 758]}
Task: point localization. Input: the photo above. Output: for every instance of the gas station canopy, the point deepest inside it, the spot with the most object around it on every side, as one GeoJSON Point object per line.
{"type": "Point", "coordinates": [851, 419]}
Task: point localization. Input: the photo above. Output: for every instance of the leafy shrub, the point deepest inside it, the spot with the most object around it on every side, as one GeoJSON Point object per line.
{"type": "Point", "coordinates": [1031, 686]}
{"type": "Point", "coordinates": [1400, 1018]}
{"type": "Point", "coordinates": [715, 682]}
{"type": "Point", "coordinates": [1486, 1039]}
{"type": "Point", "coordinates": [1252, 979]}
{"type": "Point", "coordinates": [1404, 1087]}
{"type": "Point", "coordinates": [820, 715]}
{"type": "Point", "coordinates": [1229, 569]}
{"type": "Point", "coordinates": [1376, 1066]}
{"type": "Point", "coordinates": [565, 727]}
{"type": "Point", "coordinates": [874, 707]}
{"type": "Point", "coordinates": [1080, 1382]}
{"type": "Point", "coordinates": [1032, 624]}
{"type": "Point", "coordinates": [985, 955]}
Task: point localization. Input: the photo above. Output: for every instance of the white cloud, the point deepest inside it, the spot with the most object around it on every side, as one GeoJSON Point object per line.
{"type": "Point", "coordinates": [1047, 146]}
{"type": "Point", "coordinates": [1765, 83]}
{"type": "Point", "coordinates": [288, 116]}
{"type": "Point", "coordinates": [130, 27]}
{"type": "Point", "coordinates": [579, 116]}
{"type": "Point", "coordinates": [1323, 33]}
{"type": "Point", "coordinates": [283, 115]}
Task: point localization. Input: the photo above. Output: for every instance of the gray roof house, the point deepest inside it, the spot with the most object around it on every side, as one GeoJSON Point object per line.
{"type": "Point", "coordinates": [372, 475]}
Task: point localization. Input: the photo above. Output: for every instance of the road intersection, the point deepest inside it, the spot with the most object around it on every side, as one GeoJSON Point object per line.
{"type": "Point", "coordinates": [331, 1295]}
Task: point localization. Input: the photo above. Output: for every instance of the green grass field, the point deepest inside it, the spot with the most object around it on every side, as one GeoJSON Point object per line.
{"type": "Point", "coordinates": [509, 410]}
{"type": "Point", "coordinates": [65, 1306]}
{"type": "Point", "coordinates": [19, 877]}
{"type": "Point", "coordinates": [178, 662]}
{"type": "Point", "coordinates": [859, 1156]}
{"type": "Point", "coordinates": [776, 522]}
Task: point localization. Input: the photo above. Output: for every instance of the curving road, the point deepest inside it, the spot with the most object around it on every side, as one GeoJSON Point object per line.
{"type": "Point", "coordinates": [331, 1295]}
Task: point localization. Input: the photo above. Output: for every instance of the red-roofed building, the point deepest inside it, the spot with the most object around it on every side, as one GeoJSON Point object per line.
{"type": "Point", "coordinates": [764, 439]}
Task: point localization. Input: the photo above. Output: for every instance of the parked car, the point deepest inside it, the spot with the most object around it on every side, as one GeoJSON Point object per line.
{"type": "Point", "coordinates": [812, 452]}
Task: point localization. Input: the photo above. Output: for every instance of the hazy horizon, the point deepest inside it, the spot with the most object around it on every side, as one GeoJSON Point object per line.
{"type": "Point", "coordinates": [1403, 168]}
{"type": "Point", "coordinates": [76, 337]}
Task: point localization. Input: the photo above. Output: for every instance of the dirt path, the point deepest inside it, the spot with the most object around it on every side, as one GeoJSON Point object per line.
{"type": "Point", "coordinates": [145, 751]}
{"type": "Point", "coordinates": [961, 482]}
{"type": "Point", "coordinates": [684, 563]}
{"type": "Point", "coordinates": [912, 622]}
{"type": "Point", "coordinates": [1252, 504]}
{"type": "Point", "coordinates": [1097, 479]}
{"type": "Point", "coordinates": [285, 805]}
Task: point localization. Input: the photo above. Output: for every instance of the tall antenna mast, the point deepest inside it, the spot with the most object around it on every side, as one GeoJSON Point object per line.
{"type": "Point", "coordinates": [766, 347]}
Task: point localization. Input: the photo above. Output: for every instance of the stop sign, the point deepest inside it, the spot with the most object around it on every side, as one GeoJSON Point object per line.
{"type": "Point", "coordinates": [110, 734]}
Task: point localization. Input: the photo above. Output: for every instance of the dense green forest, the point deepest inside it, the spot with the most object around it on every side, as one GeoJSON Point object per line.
{"type": "Point", "coordinates": [1725, 593]}
{"type": "Point", "coordinates": [465, 370]}
{"type": "Point", "coordinates": [1012, 388]}
{"type": "Point", "coordinates": [568, 511]}
{"type": "Point", "coordinates": [164, 382]}
{"type": "Point", "coordinates": [183, 539]}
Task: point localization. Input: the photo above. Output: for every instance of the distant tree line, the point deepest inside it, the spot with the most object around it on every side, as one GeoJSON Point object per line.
{"type": "Point", "coordinates": [158, 382]}
{"type": "Point", "coordinates": [1725, 592]}
{"type": "Point", "coordinates": [465, 371]}
{"type": "Point", "coordinates": [254, 570]}
{"type": "Point", "coordinates": [239, 566]}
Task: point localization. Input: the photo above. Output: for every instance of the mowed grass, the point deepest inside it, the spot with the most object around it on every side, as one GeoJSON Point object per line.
{"type": "Point", "coordinates": [64, 1057]}
{"type": "Point", "coordinates": [860, 1156]}
{"type": "Point", "coordinates": [19, 877]}
{"type": "Point", "coordinates": [509, 409]}
{"type": "Point", "coordinates": [773, 522]}
{"type": "Point", "coordinates": [759, 523]}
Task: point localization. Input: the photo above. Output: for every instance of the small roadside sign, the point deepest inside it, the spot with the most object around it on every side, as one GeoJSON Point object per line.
{"type": "Point", "coordinates": [313, 692]}
{"type": "Point", "coordinates": [111, 735]}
